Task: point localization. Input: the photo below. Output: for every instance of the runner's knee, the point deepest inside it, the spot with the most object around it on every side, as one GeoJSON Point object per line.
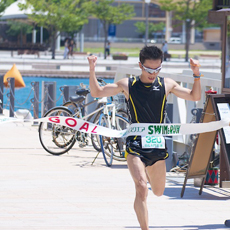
{"type": "Point", "coordinates": [141, 189]}
{"type": "Point", "coordinates": [158, 191]}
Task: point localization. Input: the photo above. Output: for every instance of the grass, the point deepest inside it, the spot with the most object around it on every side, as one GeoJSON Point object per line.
{"type": "Point", "coordinates": [133, 52]}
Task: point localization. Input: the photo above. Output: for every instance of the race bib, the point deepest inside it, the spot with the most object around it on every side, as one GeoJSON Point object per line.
{"type": "Point", "coordinates": [150, 141]}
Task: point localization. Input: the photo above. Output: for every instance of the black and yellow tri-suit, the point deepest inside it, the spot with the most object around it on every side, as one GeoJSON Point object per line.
{"type": "Point", "coordinates": [146, 104]}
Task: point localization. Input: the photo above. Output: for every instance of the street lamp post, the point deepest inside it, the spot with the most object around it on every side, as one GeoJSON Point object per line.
{"type": "Point", "coordinates": [147, 20]}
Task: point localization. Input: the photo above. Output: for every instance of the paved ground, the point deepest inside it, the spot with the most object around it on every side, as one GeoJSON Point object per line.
{"type": "Point", "coordinates": [39, 191]}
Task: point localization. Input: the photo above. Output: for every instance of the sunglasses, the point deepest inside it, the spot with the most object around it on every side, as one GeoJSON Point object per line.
{"type": "Point", "coordinates": [151, 71]}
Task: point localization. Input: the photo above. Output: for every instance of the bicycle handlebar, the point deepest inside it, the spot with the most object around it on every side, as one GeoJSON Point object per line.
{"type": "Point", "coordinates": [100, 80]}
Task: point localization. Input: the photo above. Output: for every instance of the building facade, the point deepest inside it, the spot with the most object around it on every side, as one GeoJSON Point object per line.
{"type": "Point", "coordinates": [94, 31]}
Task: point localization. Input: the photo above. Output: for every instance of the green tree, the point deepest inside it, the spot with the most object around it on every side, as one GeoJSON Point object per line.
{"type": "Point", "coordinates": [17, 28]}
{"type": "Point", "coordinates": [4, 4]}
{"type": "Point", "coordinates": [58, 16]}
{"type": "Point", "coordinates": [193, 12]}
{"type": "Point", "coordinates": [109, 13]}
{"type": "Point", "coordinates": [153, 27]}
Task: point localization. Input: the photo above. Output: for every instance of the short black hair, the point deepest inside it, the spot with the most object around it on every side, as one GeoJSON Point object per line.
{"type": "Point", "coordinates": [150, 53]}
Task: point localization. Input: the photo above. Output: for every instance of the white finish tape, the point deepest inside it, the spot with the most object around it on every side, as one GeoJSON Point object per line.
{"type": "Point", "coordinates": [141, 129]}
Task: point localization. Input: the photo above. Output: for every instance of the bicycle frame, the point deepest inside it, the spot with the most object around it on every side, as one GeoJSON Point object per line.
{"type": "Point", "coordinates": [105, 106]}
{"type": "Point", "coordinates": [106, 112]}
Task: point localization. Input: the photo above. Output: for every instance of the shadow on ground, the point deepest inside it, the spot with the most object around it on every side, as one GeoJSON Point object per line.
{"type": "Point", "coordinates": [187, 227]}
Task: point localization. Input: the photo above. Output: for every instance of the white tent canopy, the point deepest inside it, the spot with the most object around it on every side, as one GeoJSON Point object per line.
{"type": "Point", "coordinates": [13, 11]}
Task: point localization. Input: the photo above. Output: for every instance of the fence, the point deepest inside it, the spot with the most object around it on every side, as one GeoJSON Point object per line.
{"type": "Point", "coordinates": [47, 101]}
{"type": "Point", "coordinates": [33, 103]}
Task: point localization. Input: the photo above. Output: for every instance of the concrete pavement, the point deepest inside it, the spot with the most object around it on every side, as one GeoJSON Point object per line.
{"type": "Point", "coordinates": [39, 191]}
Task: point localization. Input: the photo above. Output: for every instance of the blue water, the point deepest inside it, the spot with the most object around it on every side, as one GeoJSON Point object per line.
{"type": "Point", "coordinates": [23, 95]}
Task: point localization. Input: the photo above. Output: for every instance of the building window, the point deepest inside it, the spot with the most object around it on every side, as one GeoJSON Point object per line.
{"type": "Point", "coordinates": [155, 11]}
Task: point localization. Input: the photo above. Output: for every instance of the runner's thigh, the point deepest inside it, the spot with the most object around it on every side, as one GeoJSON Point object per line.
{"type": "Point", "coordinates": [157, 177]}
{"type": "Point", "coordinates": [136, 168]}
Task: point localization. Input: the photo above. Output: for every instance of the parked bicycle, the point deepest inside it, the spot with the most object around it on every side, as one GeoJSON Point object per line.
{"type": "Point", "coordinates": [57, 139]}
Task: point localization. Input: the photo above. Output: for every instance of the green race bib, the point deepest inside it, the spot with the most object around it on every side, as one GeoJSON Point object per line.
{"type": "Point", "coordinates": [149, 142]}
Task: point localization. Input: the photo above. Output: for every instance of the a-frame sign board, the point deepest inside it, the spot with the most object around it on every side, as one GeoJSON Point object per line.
{"type": "Point", "coordinates": [203, 144]}
{"type": "Point", "coordinates": [217, 100]}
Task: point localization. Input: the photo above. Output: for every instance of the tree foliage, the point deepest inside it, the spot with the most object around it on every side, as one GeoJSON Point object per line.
{"type": "Point", "coordinates": [109, 13]}
{"type": "Point", "coordinates": [4, 4]}
{"type": "Point", "coordinates": [193, 12]}
{"type": "Point", "coordinates": [153, 27]}
{"type": "Point", "coordinates": [16, 28]}
{"type": "Point", "coordinates": [58, 15]}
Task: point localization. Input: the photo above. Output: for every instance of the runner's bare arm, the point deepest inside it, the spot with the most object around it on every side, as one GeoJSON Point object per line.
{"type": "Point", "coordinates": [107, 90]}
{"type": "Point", "coordinates": [193, 94]}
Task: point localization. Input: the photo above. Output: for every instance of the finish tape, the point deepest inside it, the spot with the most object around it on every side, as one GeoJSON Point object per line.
{"type": "Point", "coordinates": [140, 129]}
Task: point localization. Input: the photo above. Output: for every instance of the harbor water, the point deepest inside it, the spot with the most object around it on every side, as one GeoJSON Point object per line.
{"type": "Point", "coordinates": [24, 95]}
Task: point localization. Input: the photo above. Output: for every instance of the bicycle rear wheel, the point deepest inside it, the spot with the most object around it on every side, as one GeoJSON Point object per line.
{"type": "Point", "coordinates": [119, 144]}
{"type": "Point", "coordinates": [56, 139]}
{"type": "Point", "coordinates": [105, 142]}
{"type": "Point", "coordinates": [95, 139]}
{"type": "Point", "coordinates": [72, 107]}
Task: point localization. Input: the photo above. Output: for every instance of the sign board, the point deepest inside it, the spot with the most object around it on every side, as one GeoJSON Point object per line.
{"type": "Point", "coordinates": [112, 30]}
{"type": "Point", "coordinates": [221, 104]}
{"type": "Point", "coordinates": [215, 106]}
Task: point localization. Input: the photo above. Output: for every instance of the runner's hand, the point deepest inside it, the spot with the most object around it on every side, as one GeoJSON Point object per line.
{"type": "Point", "coordinates": [194, 64]}
{"type": "Point", "coordinates": [92, 62]}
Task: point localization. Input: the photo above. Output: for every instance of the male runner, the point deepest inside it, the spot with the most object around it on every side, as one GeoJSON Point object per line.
{"type": "Point", "coordinates": [146, 96]}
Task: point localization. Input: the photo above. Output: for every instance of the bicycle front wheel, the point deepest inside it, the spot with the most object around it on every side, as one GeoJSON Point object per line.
{"type": "Point", "coordinates": [106, 146]}
{"type": "Point", "coordinates": [56, 139]}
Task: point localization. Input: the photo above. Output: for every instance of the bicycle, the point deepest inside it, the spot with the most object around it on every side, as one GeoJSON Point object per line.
{"type": "Point", "coordinates": [112, 148]}
{"type": "Point", "coordinates": [58, 140]}
{"type": "Point", "coordinates": [77, 107]}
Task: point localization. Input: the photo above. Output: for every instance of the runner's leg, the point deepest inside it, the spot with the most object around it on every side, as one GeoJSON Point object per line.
{"type": "Point", "coordinates": [138, 173]}
{"type": "Point", "coordinates": [157, 177]}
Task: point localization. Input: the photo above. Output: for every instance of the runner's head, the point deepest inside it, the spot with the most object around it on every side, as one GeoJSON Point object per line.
{"type": "Point", "coordinates": [150, 53]}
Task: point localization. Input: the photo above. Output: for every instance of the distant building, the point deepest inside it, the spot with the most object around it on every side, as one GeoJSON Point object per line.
{"type": "Point", "coordinates": [93, 30]}
{"type": "Point", "coordinates": [212, 37]}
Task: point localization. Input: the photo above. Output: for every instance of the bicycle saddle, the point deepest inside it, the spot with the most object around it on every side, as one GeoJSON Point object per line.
{"type": "Point", "coordinates": [82, 92]}
{"type": "Point", "coordinates": [77, 99]}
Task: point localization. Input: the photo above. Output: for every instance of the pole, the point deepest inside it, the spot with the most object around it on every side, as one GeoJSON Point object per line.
{"type": "Point", "coordinates": [36, 99]}
{"type": "Point", "coordinates": [81, 41]}
{"type": "Point", "coordinates": [34, 35]}
{"type": "Point", "coordinates": [146, 23]}
{"type": "Point", "coordinates": [12, 95]}
{"type": "Point", "coordinates": [41, 35]}
{"type": "Point", "coordinates": [1, 94]}
{"type": "Point", "coordinates": [65, 91]}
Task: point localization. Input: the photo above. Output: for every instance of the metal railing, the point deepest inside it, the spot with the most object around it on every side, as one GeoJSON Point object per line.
{"type": "Point", "coordinates": [47, 101]}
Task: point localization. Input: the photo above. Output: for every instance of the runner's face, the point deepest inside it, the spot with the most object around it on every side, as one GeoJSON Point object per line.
{"type": "Point", "coordinates": [147, 77]}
